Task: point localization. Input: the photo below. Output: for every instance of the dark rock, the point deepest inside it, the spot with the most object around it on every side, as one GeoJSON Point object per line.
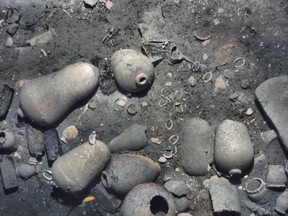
{"type": "Point", "coordinates": [52, 145]}
{"type": "Point", "coordinates": [12, 29]}
{"type": "Point", "coordinates": [106, 200]}
{"type": "Point", "coordinates": [177, 187]}
{"type": "Point", "coordinates": [90, 3]}
{"type": "Point", "coordinates": [25, 171]}
{"type": "Point", "coordinates": [272, 96]}
{"type": "Point", "coordinates": [182, 204]}
{"type": "Point", "coordinates": [6, 97]}
{"type": "Point", "coordinates": [35, 141]}
{"type": "Point", "coordinates": [9, 177]}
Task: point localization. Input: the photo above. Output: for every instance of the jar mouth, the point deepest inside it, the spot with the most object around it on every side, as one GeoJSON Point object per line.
{"type": "Point", "coordinates": [2, 137]}
{"type": "Point", "coordinates": [254, 185]}
{"type": "Point", "coordinates": [235, 172]}
{"type": "Point", "coordinates": [141, 79]}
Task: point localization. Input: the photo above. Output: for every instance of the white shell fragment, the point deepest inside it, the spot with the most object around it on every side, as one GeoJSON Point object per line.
{"type": "Point", "coordinates": [92, 138]}
{"type": "Point", "coordinates": [162, 159]}
{"type": "Point", "coordinates": [249, 112]}
{"type": "Point", "coordinates": [70, 133]}
{"type": "Point", "coordinates": [155, 140]}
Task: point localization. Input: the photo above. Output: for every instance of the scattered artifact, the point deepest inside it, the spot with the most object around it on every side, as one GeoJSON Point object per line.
{"type": "Point", "coordinates": [133, 71]}
{"type": "Point", "coordinates": [148, 199]}
{"type": "Point", "coordinates": [224, 196]}
{"type": "Point", "coordinates": [233, 148]}
{"type": "Point", "coordinates": [125, 171]}
{"type": "Point", "coordinates": [132, 138]}
{"type": "Point", "coordinates": [47, 99]}
{"type": "Point", "coordinates": [73, 171]}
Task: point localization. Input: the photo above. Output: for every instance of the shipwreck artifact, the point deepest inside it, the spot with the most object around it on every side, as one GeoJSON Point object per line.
{"type": "Point", "coordinates": [132, 138]}
{"type": "Point", "coordinates": [125, 171]}
{"type": "Point", "coordinates": [282, 203]}
{"type": "Point", "coordinates": [148, 199]}
{"type": "Point", "coordinates": [7, 139]}
{"type": "Point", "coordinates": [257, 191]}
{"type": "Point", "coordinates": [197, 147]}
{"type": "Point", "coordinates": [224, 196]}
{"type": "Point", "coordinates": [133, 71]}
{"type": "Point", "coordinates": [73, 171]}
{"type": "Point", "coordinates": [233, 148]}
{"type": "Point", "coordinates": [47, 99]}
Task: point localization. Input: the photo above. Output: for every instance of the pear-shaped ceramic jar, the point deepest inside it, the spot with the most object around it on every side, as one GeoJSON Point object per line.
{"type": "Point", "coordinates": [233, 148]}
{"type": "Point", "coordinates": [133, 71]}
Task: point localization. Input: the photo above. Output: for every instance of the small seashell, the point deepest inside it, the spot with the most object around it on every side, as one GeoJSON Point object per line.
{"type": "Point", "coordinates": [70, 133]}
{"type": "Point", "coordinates": [48, 175]}
{"type": "Point", "coordinates": [21, 83]}
{"type": "Point", "coordinates": [92, 138]}
{"type": "Point", "coordinates": [17, 155]}
{"type": "Point", "coordinates": [169, 124]}
{"type": "Point", "coordinates": [173, 139]}
{"type": "Point", "coordinates": [249, 112]}
{"type": "Point", "coordinates": [89, 198]}
{"type": "Point", "coordinates": [205, 56]}
{"type": "Point", "coordinates": [109, 4]}
{"type": "Point", "coordinates": [168, 154]}
{"type": "Point", "coordinates": [121, 101]}
{"type": "Point", "coordinates": [32, 161]}
{"type": "Point", "coordinates": [155, 140]}
{"type": "Point", "coordinates": [162, 159]}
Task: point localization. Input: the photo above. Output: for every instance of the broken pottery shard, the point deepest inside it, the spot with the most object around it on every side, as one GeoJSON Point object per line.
{"type": "Point", "coordinates": [276, 176]}
{"type": "Point", "coordinates": [8, 173]}
{"type": "Point", "coordinates": [41, 39]}
{"type": "Point", "coordinates": [155, 31]}
{"type": "Point", "coordinates": [52, 145]}
{"type": "Point", "coordinates": [224, 195]}
{"type": "Point", "coordinates": [154, 28]}
{"type": "Point", "coordinates": [35, 141]}
{"type": "Point", "coordinates": [272, 95]}
{"type": "Point", "coordinates": [132, 138]}
{"type": "Point", "coordinates": [196, 150]}
{"type": "Point", "coordinates": [6, 97]}
{"type": "Point", "coordinates": [76, 169]}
